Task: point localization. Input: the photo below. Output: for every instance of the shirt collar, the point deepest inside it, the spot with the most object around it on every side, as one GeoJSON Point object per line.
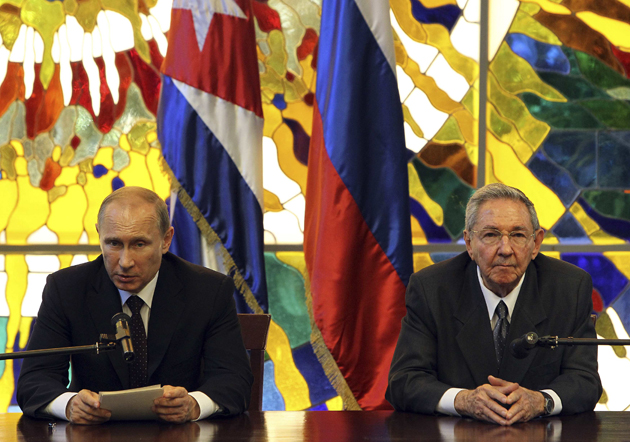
{"type": "Point", "coordinates": [492, 300]}
{"type": "Point", "coordinates": [146, 294]}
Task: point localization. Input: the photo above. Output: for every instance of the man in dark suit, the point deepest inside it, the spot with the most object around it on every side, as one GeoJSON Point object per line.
{"type": "Point", "coordinates": [451, 356]}
{"type": "Point", "coordinates": [193, 344]}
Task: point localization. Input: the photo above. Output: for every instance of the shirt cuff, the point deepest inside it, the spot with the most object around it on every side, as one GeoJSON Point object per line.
{"type": "Point", "coordinates": [207, 406]}
{"type": "Point", "coordinates": [447, 402]}
{"type": "Point", "coordinates": [557, 402]}
{"type": "Point", "coordinates": [57, 407]}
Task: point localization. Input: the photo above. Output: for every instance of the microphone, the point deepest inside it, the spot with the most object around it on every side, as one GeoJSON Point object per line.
{"type": "Point", "coordinates": [121, 322]}
{"type": "Point", "coordinates": [520, 347]}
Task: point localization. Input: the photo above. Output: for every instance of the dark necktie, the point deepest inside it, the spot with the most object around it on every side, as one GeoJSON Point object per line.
{"type": "Point", "coordinates": [138, 368]}
{"type": "Point", "coordinates": [500, 331]}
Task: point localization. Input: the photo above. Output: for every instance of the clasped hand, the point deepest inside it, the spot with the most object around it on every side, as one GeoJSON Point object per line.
{"type": "Point", "coordinates": [501, 402]}
{"type": "Point", "coordinates": [175, 405]}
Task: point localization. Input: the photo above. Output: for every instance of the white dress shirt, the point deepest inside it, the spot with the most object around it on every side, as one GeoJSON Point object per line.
{"type": "Point", "coordinates": [447, 401]}
{"type": "Point", "coordinates": [57, 407]}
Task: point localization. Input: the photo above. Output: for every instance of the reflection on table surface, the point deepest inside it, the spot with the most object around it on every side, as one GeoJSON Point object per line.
{"type": "Point", "coordinates": [324, 426]}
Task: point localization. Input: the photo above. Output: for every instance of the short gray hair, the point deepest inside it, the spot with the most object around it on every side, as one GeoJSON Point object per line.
{"type": "Point", "coordinates": [147, 195]}
{"type": "Point", "coordinates": [497, 191]}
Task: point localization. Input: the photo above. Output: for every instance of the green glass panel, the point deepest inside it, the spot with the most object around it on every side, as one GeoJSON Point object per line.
{"type": "Point", "coordinates": [5, 124]}
{"type": "Point", "coordinates": [449, 132]}
{"type": "Point", "coordinates": [445, 188]}
{"type": "Point", "coordinates": [598, 73]}
{"type": "Point", "coordinates": [287, 301]}
{"type": "Point", "coordinates": [573, 88]}
{"type": "Point", "coordinates": [614, 114]}
{"type": "Point", "coordinates": [3, 340]}
{"type": "Point", "coordinates": [469, 100]}
{"type": "Point", "coordinates": [611, 203]}
{"type": "Point", "coordinates": [560, 115]}
{"type": "Point", "coordinates": [88, 133]}
{"type": "Point", "coordinates": [63, 131]}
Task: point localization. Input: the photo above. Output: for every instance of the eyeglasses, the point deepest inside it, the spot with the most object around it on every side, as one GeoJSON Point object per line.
{"type": "Point", "coordinates": [492, 237]}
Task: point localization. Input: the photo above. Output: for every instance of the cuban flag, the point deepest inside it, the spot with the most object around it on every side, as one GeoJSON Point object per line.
{"type": "Point", "coordinates": [210, 125]}
{"type": "Point", "coordinates": [357, 240]}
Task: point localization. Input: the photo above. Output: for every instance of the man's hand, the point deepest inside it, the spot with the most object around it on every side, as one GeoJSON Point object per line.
{"type": "Point", "coordinates": [176, 405]}
{"type": "Point", "coordinates": [85, 409]}
{"type": "Point", "coordinates": [484, 402]}
{"type": "Point", "coordinates": [524, 404]}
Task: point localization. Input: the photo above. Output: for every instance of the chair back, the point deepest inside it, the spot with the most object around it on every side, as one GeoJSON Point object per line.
{"type": "Point", "coordinates": [254, 328]}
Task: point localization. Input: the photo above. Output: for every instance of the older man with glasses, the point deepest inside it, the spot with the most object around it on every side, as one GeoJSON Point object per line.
{"type": "Point", "coordinates": [451, 357]}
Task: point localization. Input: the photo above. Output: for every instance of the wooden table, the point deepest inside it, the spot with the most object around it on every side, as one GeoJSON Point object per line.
{"type": "Point", "coordinates": [324, 426]}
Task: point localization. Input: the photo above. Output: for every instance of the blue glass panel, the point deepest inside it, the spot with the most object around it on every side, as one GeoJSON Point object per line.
{"type": "Point", "coordinates": [446, 15]}
{"type": "Point", "coordinates": [301, 140]}
{"type": "Point", "coordinates": [320, 407]}
{"type": "Point", "coordinates": [568, 230]}
{"type": "Point", "coordinates": [613, 159]}
{"type": "Point", "coordinates": [433, 232]}
{"type": "Point", "coordinates": [99, 170]}
{"type": "Point", "coordinates": [117, 183]}
{"type": "Point", "coordinates": [575, 151]}
{"type": "Point", "coordinates": [613, 226]}
{"type": "Point", "coordinates": [278, 101]}
{"type": "Point", "coordinates": [541, 56]}
{"type": "Point", "coordinates": [319, 387]}
{"type": "Point", "coordinates": [554, 177]}
{"type": "Point", "coordinates": [607, 279]}
{"type": "Point", "coordinates": [442, 256]}
{"type": "Point", "coordinates": [272, 399]}
{"type": "Point", "coordinates": [622, 307]}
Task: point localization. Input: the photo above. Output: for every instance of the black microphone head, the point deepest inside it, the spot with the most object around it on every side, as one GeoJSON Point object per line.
{"type": "Point", "coordinates": [520, 347]}
{"type": "Point", "coordinates": [118, 316]}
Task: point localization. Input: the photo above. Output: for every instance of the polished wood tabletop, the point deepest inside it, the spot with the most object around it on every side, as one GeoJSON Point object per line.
{"type": "Point", "coordinates": [324, 426]}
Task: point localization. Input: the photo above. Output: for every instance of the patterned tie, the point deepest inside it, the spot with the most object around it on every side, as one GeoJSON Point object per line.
{"type": "Point", "coordinates": [500, 331]}
{"type": "Point", "coordinates": [138, 368]}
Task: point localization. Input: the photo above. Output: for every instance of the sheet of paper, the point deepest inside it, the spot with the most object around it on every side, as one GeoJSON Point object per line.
{"type": "Point", "coordinates": [133, 404]}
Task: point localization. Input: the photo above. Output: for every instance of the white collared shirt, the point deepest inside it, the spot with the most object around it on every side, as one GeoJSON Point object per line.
{"type": "Point", "coordinates": [207, 407]}
{"type": "Point", "coordinates": [446, 405]}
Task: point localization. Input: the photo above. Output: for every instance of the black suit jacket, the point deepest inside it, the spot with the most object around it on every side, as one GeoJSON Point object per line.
{"type": "Point", "coordinates": [446, 338]}
{"type": "Point", "coordinates": [194, 337]}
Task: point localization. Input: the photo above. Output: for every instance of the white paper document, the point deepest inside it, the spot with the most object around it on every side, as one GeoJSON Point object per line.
{"type": "Point", "coordinates": [134, 404]}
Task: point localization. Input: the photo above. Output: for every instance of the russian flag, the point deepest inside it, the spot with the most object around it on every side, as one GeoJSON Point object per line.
{"type": "Point", "coordinates": [210, 125]}
{"type": "Point", "coordinates": [357, 240]}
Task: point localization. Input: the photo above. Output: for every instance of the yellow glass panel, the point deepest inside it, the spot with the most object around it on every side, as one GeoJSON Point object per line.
{"type": "Point", "coordinates": [550, 238]}
{"type": "Point", "coordinates": [295, 260]}
{"type": "Point", "coordinates": [289, 380]}
{"type": "Point", "coordinates": [471, 99]}
{"type": "Point", "coordinates": [68, 176]}
{"type": "Point", "coordinates": [9, 192]}
{"type": "Point", "coordinates": [56, 192]}
{"type": "Point", "coordinates": [511, 171]}
{"type": "Point", "coordinates": [417, 234]}
{"type": "Point", "coordinates": [302, 113]}
{"type": "Point", "coordinates": [550, 254]}
{"type": "Point", "coordinates": [272, 202]}
{"type": "Point", "coordinates": [402, 12]}
{"type": "Point", "coordinates": [8, 156]}
{"type": "Point", "coordinates": [467, 125]}
{"type": "Point", "coordinates": [614, 30]}
{"type": "Point", "coordinates": [96, 189]}
{"type": "Point", "coordinates": [124, 143]}
{"type": "Point", "coordinates": [277, 59]}
{"type": "Point", "coordinates": [529, 8]}
{"type": "Point", "coordinates": [335, 404]}
{"type": "Point", "coordinates": [273, 119]}
{"type": "Point", "coordinates": [160, 179]}
{"type": "Point", "coordinates": [19, 149]}
{"type": "Point", "coordinates": [271, 84]}
{"type": "Point", "coordinates": [438, 98]}
{"type": "Point", "coordinates": [591, 228]}
{"type": "Point", "coordinates": [56, 154]}
{"type": "Point", "coordinates": [137, 137]}
{"type": "Point", "coordinates": [308, 73]}
{"type": "Point", "coordinates": [490, 177]}
{"type": "Point", "coordinates": [438, 36]}
{"type": "Point", "coordinates": [17, 268]}
{"type": "Point", "coordinates": [7, 382]}
{"type": "Point", "coordinates": [510, 107]}
{"type": "Point", "coordinates": [30, 213]}
{"type": "Point", "coordinates": [412, 123]}
{"type": "Point", "coordinates": [449, 133]}
{"type": "Point", "coordinates": [505, 131]}
{"type": "Point", "coordinates": [283, 137]}
{"type": "Point", "coordinates": [137, 173]}
{"type": "Point", "coordinates": [66, 156]}
{"type": "Point", "coordinates": [550, 7]}
{"type": "Point", "coordinates": [66, 215]}
{"type": "Point", "coordinates": [421, 260]}
{"type": "Point", "coordinates": [516, 75]}
{"type": "Point", "coordinates": [472, 150]}
{"type": "Point", "coordinates": [21, 166]}
{"type": "Point", "coordinates": [621, 261]}
{"type": "Point", "coordinates": [46, 18]}
{"type": "Point", "coordinates": [416, 191]}
{"type": "Point", "coordinates": [437, 3]}
{"type": "Point", "coordinates": [9, 28]}
{"type": "Point", "coordinates": [105, 157]}
{"type": "Point", "coordinates": [525, 24]}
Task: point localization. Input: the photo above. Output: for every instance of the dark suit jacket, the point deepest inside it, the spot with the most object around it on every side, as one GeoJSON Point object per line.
{"type": "Point", "coordinates": [194, 337]}
{"type": "Point", "coordinates": [446, 338]}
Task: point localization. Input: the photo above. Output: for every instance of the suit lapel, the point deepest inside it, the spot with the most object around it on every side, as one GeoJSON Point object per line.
{"type": "Point", "coordinates": [103, 303]}
{"type": "Point", "coordinates": [528, 314]}
{"type": "Point", "coordinates": [475, 336]}
{"type": "Point", "coordinates": [166, 308]}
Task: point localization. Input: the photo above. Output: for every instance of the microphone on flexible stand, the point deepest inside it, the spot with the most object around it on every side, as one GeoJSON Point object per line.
{"type": "Point", "coordinates": [123, 335]}
{"type": "Point", "coordinates": [520, 347]}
